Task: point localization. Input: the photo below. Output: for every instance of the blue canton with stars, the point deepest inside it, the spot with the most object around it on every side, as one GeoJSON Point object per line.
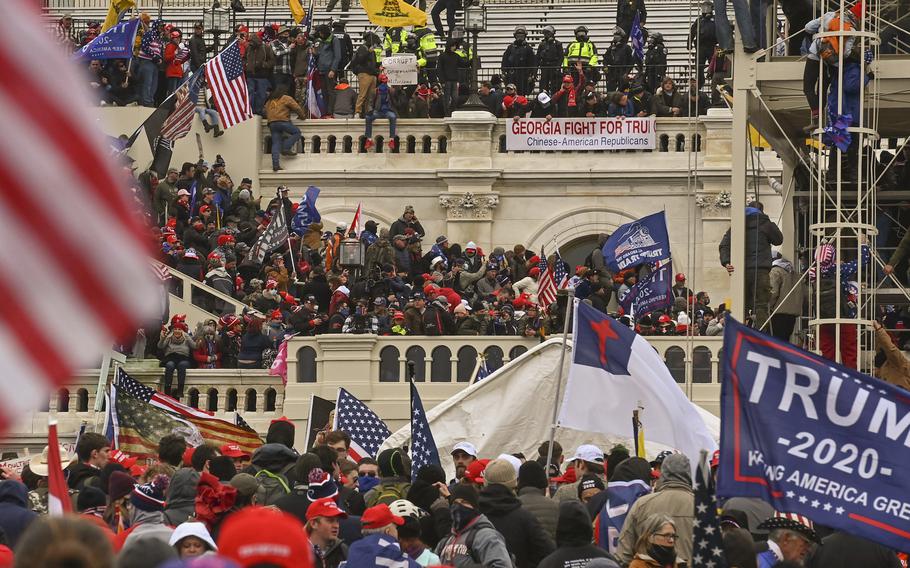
{"type": "Point", "coordinates": [230, 59]}
{"type": "Point", "coordinates": [707, 542]}
{"type": "Point", "coordinates": [355, 418]}
{"type": "Point", "coordinates": [423, 447]}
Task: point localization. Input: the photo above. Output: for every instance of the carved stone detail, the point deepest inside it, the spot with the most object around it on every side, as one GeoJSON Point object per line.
{"type": "Point", "coordinates": [469, 205]}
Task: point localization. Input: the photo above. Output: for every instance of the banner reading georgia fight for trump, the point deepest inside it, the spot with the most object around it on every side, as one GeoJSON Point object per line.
{"type": "Point", "coordinates": [814, 438]}
{"type": "Point", "coordinates": [581, 134]}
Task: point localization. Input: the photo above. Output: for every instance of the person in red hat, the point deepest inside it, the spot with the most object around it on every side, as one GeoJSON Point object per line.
{"type": "Point", "coordinates": [379, 519]}
{"type": "Point", "coordinates": [236, 453]}
{"type": "Point", "coordinates": [322, 522]}
{"type": "Point", "coordinates": [679, 287]}
{"type": "Point", "coordinates": [283, 545]}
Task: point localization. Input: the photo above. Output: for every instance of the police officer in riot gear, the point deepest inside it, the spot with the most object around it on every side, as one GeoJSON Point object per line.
{"type": "Point", "coordinates": [584, 51]}
{"type": "Point", "coordinates": [655, 62]}
{"type": "Point", "coordinates": [703, 39]}
{"type": "Point", "coordinates": [519, 62]}
{"type": "Point", "coordinates": [618, 60]}
{"type": "Point", "coordinates": [549, 58]}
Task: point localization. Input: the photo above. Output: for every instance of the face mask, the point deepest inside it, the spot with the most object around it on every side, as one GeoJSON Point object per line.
{"type": "Point", "coordinates": [665, 555]}
{"type": "Point", "coordinates": [581, 37]}
{"type": "Point", "coordinates": [345, 312]}
{"type": "Point", "coordinates": [365, 483]}
{"type": "Point", "coordinates": [462, 515]}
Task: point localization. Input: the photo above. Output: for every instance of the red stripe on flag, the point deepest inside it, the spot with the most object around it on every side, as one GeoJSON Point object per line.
{"type": "Point", "coordinates": [34, 344]}
{"type": "Point", "coordinates": [56, 485]}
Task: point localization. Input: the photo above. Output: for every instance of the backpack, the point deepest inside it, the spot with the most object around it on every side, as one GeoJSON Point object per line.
{"type": "Point", "coordinates": [272, 486]}
{"type": "Point", "coordinates": [388, 493]}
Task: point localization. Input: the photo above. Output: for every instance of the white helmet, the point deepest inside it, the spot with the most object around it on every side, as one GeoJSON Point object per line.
{"type": "Point", "coordinates": [404, 508]}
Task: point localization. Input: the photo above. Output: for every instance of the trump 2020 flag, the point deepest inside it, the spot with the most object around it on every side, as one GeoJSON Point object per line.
{"type": "Point", "coordinates": [613, 371]}
{"type": "Point", "coordinates": [653, 292]}
{"type": "Point", "coordinates": [639, 242]}
{"type": "Point", "coordinates": [423, 447]}
{"type": "Point", "coordinates": [814, 438]}
{"type": "Point", "coordinates": [306, 211]}
{"type": "Point", "coordinates": [115, 43]}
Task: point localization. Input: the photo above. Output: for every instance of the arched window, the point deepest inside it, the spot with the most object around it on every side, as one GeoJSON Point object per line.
{"type": "Point", "coordinates": [411, 142]}
{"type": "Point", "coordinates": [502, 143]}
{"type": "Point", "coordinates": [231, 403]}
{"type": "Point", "coordinates": [701, 365]}
{"type": "Point", "coordinates": [82, 400]}
{"type": "Point", "coordinates": [331, 144]}
{"type": "Point", "coordinates": [250, 402]}
{"type": "Point", "coordinates": [467, 360]}
{"type": "Point", "coordinates": [442, 145]}
{"type": "Point", "coordinates": [680, 142]}
{"type": "Point", "coordinates": [270, 397]}
{"type": "Point", "coordinates": [389, 367]}
{"type": "Point", "coordinates": [493, 355]}
{"type": "Point", "coordinates": [676, 363]}
{"type": "Point", "coordinates": [416, 355]}
{"type": "Point", "coordinates": [441, 368]}
{"type": "Point", "coordinates": [517, 351]}
{"type": "Point", "coordinates": [306, 365]}
{"type": "Point", "coordinates": [380, 144]}
{"type": "Point", "coordinates": [212, 402]}
{"type": "Point", "coordinates": [361, 144]}
{"type": "Point", "coordinates": [426, 145]}
{"type": "Point", "coordinates": [397, 148]}
{"type": "Point", "coordinates": [696, 142]}
{"type": "Point", "coordinates": [193, 398]}
{"type": "Point", "coordinates": [315, 145]}
{"type": "Point", "coordinates": [664, 143]}
{"type": "Point", "coordinates": [63, 400]}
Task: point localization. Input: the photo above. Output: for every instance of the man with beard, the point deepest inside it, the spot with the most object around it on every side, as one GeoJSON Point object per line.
{"type": "Point", "coordinates": [463, 454]}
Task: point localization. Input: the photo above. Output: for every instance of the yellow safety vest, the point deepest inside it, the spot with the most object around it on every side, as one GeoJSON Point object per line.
{"type": "Point", "coordinates": [584, 52]}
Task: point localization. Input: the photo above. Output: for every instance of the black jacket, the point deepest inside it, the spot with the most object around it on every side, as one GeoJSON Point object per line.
{"type": "Point", "coordinates": [197, 52]}
{"type": "Point", "coordinates": [574, 534]}
{"type": "Point", "coordinates": [842, 550]}
{"type": "Point", "coordinates": [519, 55]}
{"type": "Point", "coordinates": [525, 537]}
{"type": "Point", "coordinates": [625, 13]}
{"type": "Point", "coordinates": [336, 553]}
{"type": "Point", "coordinates": [449, 66]}
{"type": "Point", "coordinates": [79, 474]}
{"type": "Point", "coordinates": [438, 321]}
{"type": "Point", "coordinates": [761, 233]}
{"type": "Point", "coordinates": [550, 53]}
{"type": "Point", "coordinates": [364, 61]}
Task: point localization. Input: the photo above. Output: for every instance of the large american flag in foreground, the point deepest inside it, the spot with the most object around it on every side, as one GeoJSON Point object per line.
{"type": "Point", "coordinates": [367, 430]}
{"type": "Point", "coordinates": [64, 304]}
{"type": "Point", "coordinates": [224, 75]}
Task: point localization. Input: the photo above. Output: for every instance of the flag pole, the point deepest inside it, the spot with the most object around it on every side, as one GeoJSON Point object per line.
{"type": "Point", "coordinates": [287, 227]}
{"type": "Point", "coordinates": [570, 305]}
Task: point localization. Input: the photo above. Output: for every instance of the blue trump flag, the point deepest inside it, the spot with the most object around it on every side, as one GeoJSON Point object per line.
{"type": "Point", "coordinates": [622, 495]}
{"type": "Point", "coordinates": [638, 37]}
{"type": "Point", "coordinates": [652, 293]}
{"type": "Point", "coordinates": [306, 211]}
{"type": "Point", "coordinates": [814, 438]}
{"type": "Point", "coordinates": [639, 242]}
{"type": "Point", "coordinates": [115, 43]}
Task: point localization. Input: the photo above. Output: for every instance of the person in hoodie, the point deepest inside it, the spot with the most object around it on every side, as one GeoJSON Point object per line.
{"type": "Point", "coordinates": [147, 513]}
{"type": "Point", "coordinates": [15, 516]}
{"type": "Point", "coordinates": [786, 299]}
{"type": "Point", "coordinates": [181, 496]}
{"type": "Point", "coordinates": [345, 99]}
{"type": "Point", "coordinates": [532, 486]}
{"type": "Point", "coordinates": [524, 535]}
{"type": "Point", "coordinates": [573, 540]}
{"type": "Point", "coordinates": [474, 539]}
{"type": "Point", "coordinates": [673, 496]}
{"type": "Point", "coordinates": [271, 466]}
{"type": "Point", "coordinates": [761, 234]}
{"type": "Point", "coordinates": [379, 252]}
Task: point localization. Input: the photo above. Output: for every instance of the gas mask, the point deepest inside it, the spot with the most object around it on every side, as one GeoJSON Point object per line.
{"type": "Point", "coordinates": [581, 36]}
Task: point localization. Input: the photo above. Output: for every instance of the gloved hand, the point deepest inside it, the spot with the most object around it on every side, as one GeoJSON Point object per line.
{"type": "Point", "coordinates": [868, 56]}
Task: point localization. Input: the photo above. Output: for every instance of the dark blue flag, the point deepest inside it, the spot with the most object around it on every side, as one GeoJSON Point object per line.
{"type": "Point", "coordinates": [638, 37]}
{"type": "Point", "coordinates": [622, 495]}
{"type": "Point", "coordinates": [814, 438]}
{"type": "Point", "coordinates": [423, 447]}
{"type": "Point", "coordinates": [639, 242]}
{"type": "Point", "coordinates": [653, 292]}
{"type": "Point", "coordinates": [115, 43]}
{"type": "Point", "coordinates": [306, 211]}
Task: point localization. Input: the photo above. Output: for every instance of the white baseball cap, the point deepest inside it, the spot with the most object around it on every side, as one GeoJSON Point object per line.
{"type": "Point", "coordinates": [588, 453]}
{"type": "Point", "coordinates": [466, 447]}
{"type": "Point", "coordinates": [516, 463]}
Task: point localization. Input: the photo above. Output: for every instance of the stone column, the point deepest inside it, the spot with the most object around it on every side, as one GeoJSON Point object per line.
{"type": "Point", "coordinates": [717, 143]}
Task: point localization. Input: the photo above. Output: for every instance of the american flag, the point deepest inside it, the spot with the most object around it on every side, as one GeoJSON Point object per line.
{"type": "Point", "coordinates": [314, 96]}
{"type": "Point", "coordinates": [58, 498]}
{"type": "Point", "coordinates": [367, 430]}
{"type": "Point", "coordinates": [560, 274]}
{"type": "Point", "coordinates": [239, 421]}
{"type": "Point", "coordinates": [64, 305]}
{"type": "Point", "coordinates": [483, 370]}
{"type": "Point", "coordinates": [224, 76]}
{"type": "Point", "coordinates": [178, 123]}
{"type": "Point", "coordinates": [546, 288]}
{"type": "Point", "coordinates": [707, 541]}
{"type": "Point", "coordinates": [423, 447]}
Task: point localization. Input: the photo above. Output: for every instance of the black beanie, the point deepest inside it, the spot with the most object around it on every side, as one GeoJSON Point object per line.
{"type": "Point", "coordinates": [89, 498]}
{"type": "Point", "coordinates": [223, 468]}
{"type": "Point", "coordinates": [431, 473]}
{"type": "Point", "coordinates": [423, 494]}
{"type": "Point", "coordinates": [466, 492]}
{"type": "Point", "coordinates": [391, 463]}
{"type": "Point", "coordinates": [531, 474]}
{"type": "Point", "coordinates": [281, 432]}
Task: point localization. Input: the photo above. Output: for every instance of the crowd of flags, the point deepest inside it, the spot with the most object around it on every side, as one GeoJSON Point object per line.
{"type": "Point", "coordinates": [551, 279]}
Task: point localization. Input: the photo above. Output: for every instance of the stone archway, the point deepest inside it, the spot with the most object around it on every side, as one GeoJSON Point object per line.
{"type": "Point", "coordinates": [576, 226]}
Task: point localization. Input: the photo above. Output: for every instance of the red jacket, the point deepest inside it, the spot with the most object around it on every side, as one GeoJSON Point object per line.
{"type": "Point", "coordinates": [174, 63]}
{"type": "Point", "coordinates": [202, 353]}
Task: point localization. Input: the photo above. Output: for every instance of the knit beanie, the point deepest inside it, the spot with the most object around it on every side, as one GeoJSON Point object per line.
{"type": "Point", "coordinates": [500, 472]}
{"type": "Point", "coordinates": [321, 485]}
{"type": "Point", "coordinates": [245, 484]}
{"type": "Point", "coordinates": [391, 463]}
{"type": "Point", "coordinates": [120, 485]}
{"type": "Point", "coordinates": [223, 468]}
{"type": "Point", "coordinates": [467, 493]}
{"type": "Point", "coordinates": [281, 431]}
{"type": "Point", "coordinates": [90, 498]}
{"type": "Point", "coordinates": [431, 473]}
{"type": "Point", "coordinates": [150, 496]}
{"type": "Point", "coordinates": [531, 474]}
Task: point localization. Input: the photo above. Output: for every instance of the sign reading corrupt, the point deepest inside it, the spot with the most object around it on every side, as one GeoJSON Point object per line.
{"type": "Point", "coordinates": [401, 69]}
{"type": "Point", "coordinates": [581, 134]}
{"type": "Point", "coordinates": [814, 438]}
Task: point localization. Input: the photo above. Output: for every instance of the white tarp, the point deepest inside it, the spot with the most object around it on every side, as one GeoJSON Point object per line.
{"type": "Point", "coordinates": [512, 409]}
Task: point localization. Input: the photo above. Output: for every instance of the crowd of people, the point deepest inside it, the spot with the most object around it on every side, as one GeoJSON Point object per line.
{"type": "Point", "coordinates": [222, 506]}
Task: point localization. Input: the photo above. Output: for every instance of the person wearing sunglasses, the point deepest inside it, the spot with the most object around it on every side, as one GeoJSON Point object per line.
{"type": "Point", "coordinates": [656, 547]}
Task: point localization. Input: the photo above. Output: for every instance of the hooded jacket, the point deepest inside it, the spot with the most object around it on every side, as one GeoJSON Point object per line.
{"type": "Point", "coordinates": [14, 514]}
{"type": "Point", "coordinates": [783, 279]}
{"type": "Point", "coordinates": [487, 548]}
{"type": "Point", "coordinates": [181, 496]}
{"type": "Point", "coordinates": [525, 537]}
{"type": "Point", "coordinates": [545, 509]}
{"type": "Point", "coordinates": [79, 473]}
{"type": "Point", "coordinates": [673, 496]}
{"type": "Point", "coordinates": [761, 234]}
{"type": "Point", "coordinates": [574, 534]}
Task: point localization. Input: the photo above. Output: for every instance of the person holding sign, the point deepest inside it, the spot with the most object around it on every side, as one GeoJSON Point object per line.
{"type": "Point", "coordinates": [382, 108]}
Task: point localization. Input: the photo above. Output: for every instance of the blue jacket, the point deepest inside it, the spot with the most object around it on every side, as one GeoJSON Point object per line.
{"type": "Point", "coordinates": [383, 102]}
{"type": "Point", "coordinates": [851, 90]}
{"type": "Point", "coordinates": [328, 55]}
{"type": "Point", "coordinates": [15, 516]}
{"type": "Point", "coordinates": [767, 559]}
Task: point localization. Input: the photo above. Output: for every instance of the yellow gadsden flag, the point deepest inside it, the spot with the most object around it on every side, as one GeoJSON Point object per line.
{"type": "Point", "coordinates": [297, 10]}
{"type": "Point", "coordinates": [393, 13]}
{"type": "Point", "coordinates": [114, 11]}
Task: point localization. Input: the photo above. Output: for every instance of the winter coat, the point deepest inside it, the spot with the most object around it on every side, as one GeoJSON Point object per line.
{"type": "Point", "coordinates": [673, 496]}
{"type": "Point", "coordinates": [345, 99]}
{"type": "Point", "coordinates": [181, 349]}
{"type": "Point", "coordinates": [204, 350]}
{"type": "Point", "coordinates": [15, 516]}
{"type": "Point", "coordinates": [645, 561]}
{"type": "Point", "coordinates": [449, 66]}
{"type": "Point", "coordinates": [545, 509]}
{"type": "Point", "coordinates": [478, 545]}
{"type": "Point", "coordinates": [379, 253]}
{"type": "Point", "coordinates": [181, 496]}
{"type": "Point", "coordinates": [524, 535]}
{"type": "Point", "coordinates": [252, 345]}
{"type": "Point", "coordinates": [574, 536]}
{"type": "Point", "coordinates": [526, 285]}
{"type": "Point", "coordinates": [364, 61]}
{"type": "Point", "coordinates": [402, 259]}
{"type": "Point", "coordinates": [896, 368]}
{"type": "Point", "coordinates": [853, 79]}
{"type": "Point", "coordinates": [259, 59]}
{"type": "Point", "coordinates": [318, 287]}
{"type": "Point", "coordinates": [328, 55]}
{"type": "Point", "coordinates": [400, 226]}
{"type": "Point", "coordinates": [661, 103]}
{"type": "Point", "coordinates": [783, 280]}
{"type": "Point", "coordinates": [842, 550]}
{"type": "Point", "coordinates": [331, 557]}
{"type": "Point", "coordinates": [437, 321]}
{"type": "Point", "coordinates": [761, 233]}
{"type": "Point", "coordinates": [625, 13]}
{"type": "Point", "coordinates": [219, 279]}
{"type": "Point", "coordinates": [413, 320]}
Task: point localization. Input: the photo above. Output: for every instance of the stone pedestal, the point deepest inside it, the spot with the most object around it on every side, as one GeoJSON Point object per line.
{"type": "Point", "coordinates": [717, 144]}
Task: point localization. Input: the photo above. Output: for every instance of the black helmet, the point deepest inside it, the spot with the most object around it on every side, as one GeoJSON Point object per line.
{"type": "Point", "coordinates": [656, 38]}
{"type": "Point", "coordinates": [549, 31]}
{"type": "Point", "coordinates": [323, 31]}
{"type": "Point", "coordinates": [520, 30]}
{"type": "Point", "coordinates": [580, 29]}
